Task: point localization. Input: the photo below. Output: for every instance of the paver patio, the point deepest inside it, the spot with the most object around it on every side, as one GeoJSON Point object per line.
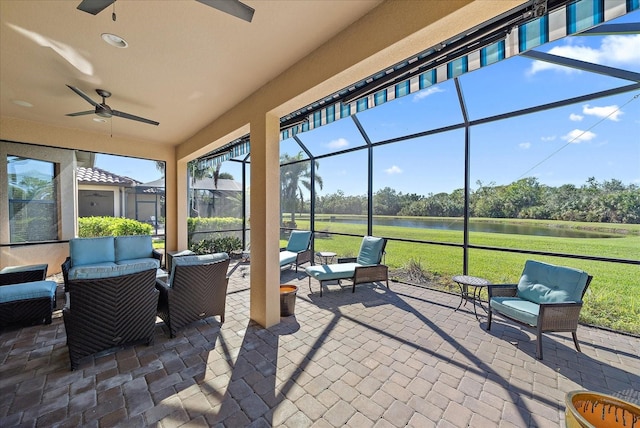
{"type": "Point", "coordinates": [376, 357]}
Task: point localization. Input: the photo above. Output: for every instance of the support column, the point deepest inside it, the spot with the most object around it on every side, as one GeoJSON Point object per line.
{"type": "Point", "coordinates": [265, 220]}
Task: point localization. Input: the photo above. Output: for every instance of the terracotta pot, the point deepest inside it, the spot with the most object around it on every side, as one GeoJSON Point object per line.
{"type": "Point", "coordinates": [594, 410]}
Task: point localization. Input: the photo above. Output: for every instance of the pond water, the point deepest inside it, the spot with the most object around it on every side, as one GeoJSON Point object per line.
{"type": "Point", "coordinates": [477, 226]}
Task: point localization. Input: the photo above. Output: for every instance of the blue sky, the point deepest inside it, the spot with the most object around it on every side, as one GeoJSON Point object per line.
{"type": "Point", "coordinates": [598, 139]}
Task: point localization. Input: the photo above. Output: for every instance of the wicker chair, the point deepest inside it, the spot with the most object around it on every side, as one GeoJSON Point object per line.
{"type": "Point", "coordinates": [104, 313]}
{"type": "Point", "coordinates": [547, 298]}
{"type": "Point", "coordinates": [363, 269]}
{"type": "Point", "coordinates": [33, 298]}
{"type": "Point", "coordinates": [197, 289]}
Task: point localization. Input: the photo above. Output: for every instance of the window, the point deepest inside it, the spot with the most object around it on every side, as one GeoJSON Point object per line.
{"type": "Point", "coordinates": [33, 204]}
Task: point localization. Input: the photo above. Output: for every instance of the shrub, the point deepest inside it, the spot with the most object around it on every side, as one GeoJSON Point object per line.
{"type": "Point", "coordinates": [89, 227]}
{"type": "Point", "coordinates": [225, 244]}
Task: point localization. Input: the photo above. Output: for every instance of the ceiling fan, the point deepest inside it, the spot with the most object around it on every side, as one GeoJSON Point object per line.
{"type": "Point", "coordinates": [103, 110]}
{"type": "Point", "coordinates": [232, 7]}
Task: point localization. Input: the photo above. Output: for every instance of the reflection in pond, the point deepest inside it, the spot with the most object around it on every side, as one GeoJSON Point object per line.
{"type": "Point", "coordinates": [478, 226]}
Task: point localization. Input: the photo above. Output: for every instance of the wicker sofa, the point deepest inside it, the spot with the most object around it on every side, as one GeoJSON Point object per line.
{"type": "Point", "coordinates": [111, 299]}
{"type": "Point", "coordinates": [108, 256]}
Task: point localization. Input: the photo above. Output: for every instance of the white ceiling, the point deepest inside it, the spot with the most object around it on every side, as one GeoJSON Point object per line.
{"type": "Point", "coordinates": [186, 63]}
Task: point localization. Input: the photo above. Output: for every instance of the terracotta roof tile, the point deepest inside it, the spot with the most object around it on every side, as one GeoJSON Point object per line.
{"type": "Point", "coordinates": [97, 175]}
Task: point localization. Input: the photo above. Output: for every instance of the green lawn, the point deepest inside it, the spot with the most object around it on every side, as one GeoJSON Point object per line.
{"type": "Point", "coordinates": [613, 298]}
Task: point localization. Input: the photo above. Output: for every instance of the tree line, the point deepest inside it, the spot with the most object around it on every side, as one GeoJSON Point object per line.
{"type": "Point", "coordinates": [607, 202]}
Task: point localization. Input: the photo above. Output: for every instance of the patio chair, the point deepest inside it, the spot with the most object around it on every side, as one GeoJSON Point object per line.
{"type": "Point", "coordinates": [105, 312]}
{"type": "Point", "coordinates": [197, 289]}
{"type": "Point", "coordinates": [297, 251]}
{"type": "Point", "coordinates": [547, 298]}
{"type": "Point", "coordinates": [363, 269]}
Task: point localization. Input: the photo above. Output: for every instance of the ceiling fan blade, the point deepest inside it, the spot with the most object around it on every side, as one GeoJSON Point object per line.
{"type": "Point", "coordinates": [132, 117]}
{"type": "Point", "coordinates": [83, 95]}
{"type": "Point", "coordinates": [81, 113]}
{"type": "Point", "coordinates": [94, 7]}
{"type": "Point", "coordinates": [232, 7]}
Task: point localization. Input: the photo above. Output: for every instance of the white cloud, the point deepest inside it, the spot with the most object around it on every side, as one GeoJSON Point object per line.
{"type": "Point", "coordinates": [613, 51]}
{"type": "Point", "coordinates": [549, 138]}
{"type": "Point", "coordinates": [575, 117]}
{"type": "Point", "coordinates": [340, 143]}
{"type": "Point", "coordinates": [609, 112]}
{"type": "Point", "coordinates": [426, 92]}
{"type": "Point", "coordinates": [393, 170]}
{"type": "Point", "coordinates": [578, 136]}
{"type": "Point", "coordinates": [524, 146]}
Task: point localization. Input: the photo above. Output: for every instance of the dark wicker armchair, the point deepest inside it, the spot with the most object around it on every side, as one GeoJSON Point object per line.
{"type": "Point", "coordinates": [197, 290]}
{"type": "Point", "coordinates": [103, 313]}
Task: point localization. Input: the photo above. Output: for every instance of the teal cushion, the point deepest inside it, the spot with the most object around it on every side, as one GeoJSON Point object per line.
{"type": "Point", "coordinates": [133, 247]}
{"type": "Point", "coordinates": [155, 262]}
{"type": "Point", "coordinates": [546, 283]}
{"type": "Point", "coordinates": [287, 257]}
{"type": "Point", "coordinates": [298, 241]}
{"type": "Point", "coordinates": [370, 251]}
{"type": "Point", "coordinates": [334, 271]}
{"type": "Point", "coordinates": [196, 260]}
{"type": "Point", "coordinates": [518, 309]}
{"type": "Point", "coordinates": [86, 251]}
{"type": "Point", "coordinates": [24, 268]}
{"type": "Point", "coordinates": [28, 290]}
{"type": "Point", "coordinates": [109, 270]}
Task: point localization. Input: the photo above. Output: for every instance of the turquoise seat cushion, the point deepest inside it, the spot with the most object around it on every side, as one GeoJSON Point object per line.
{"type": "Point", "coordinates": [334, 271]}
{"type": "Point", "coordinates": [28, 290]}
{"type": "Point", "coordinates": [546, 283]}
{"type": "Point", "coordinates": [298, 241]}
{"type": "Point", "coordinates": [518, 309]}
{"type": "Point", "coordinates": [155, 262]}
{"type": "Point", "coordinates": [109, 270]}
{"type": "Point", "coordinates": [196, 260]}
{"type": "Point", "coordinates": [133, 247]}
{"type": "Point", "coordinates": [86, 251]}
{"type": "Point", "coordinates": [23, 268]}
{"type": "Point", "coordinates": [370, 251]}
{"type": "Point", "coordinates": [287, 257]}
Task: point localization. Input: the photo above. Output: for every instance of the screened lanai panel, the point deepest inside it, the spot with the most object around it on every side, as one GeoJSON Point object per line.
{"type": "Point", "coordinates": [334, 137]}
{"type": "Point", "coordinates": [519, 82]}
{"type": "Point", "coordinates": [435, 106]}
{"type": "Point", "coordinates": [290, 148]}
{"type": "Point", "coordinates": [569, 164]}
{"type": "Point", "coordinates": [341, 203]}
{"type": "Point", "coordinates": [420, 196]}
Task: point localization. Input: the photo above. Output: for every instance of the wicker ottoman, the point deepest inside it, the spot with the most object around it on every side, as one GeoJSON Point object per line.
{"type": "Point", "coordinates": [27, 303]}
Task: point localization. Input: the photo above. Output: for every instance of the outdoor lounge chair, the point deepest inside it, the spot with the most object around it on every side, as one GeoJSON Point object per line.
{"type": "Point", "coordinates": [26, 297]}
{"type": "Point", "coordinates": [197, 289]}
{"type": "Point", "coordinates": [363, 269]}
{"type": "Point", "coordinates": [547, 298]}
{"type": "Point", "coordinates": [297, 251]}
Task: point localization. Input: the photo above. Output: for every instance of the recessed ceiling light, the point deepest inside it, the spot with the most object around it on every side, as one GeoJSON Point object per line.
{"type": "Point", "coordinates": [114, 40]}
{"type": "Point", "coordinates": [22, 103]}
{"type": "Point", "coordinates": [99, 120]}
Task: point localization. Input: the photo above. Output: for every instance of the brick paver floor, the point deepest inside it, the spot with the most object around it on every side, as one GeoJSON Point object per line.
{"type": "Point", "coordinates": [376, 357]}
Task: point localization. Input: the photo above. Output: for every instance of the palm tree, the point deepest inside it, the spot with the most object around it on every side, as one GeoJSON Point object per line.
{"type": "Point", "coordinates": [196, 172]}
{"type": "Point", "coordinates": [295, 174]}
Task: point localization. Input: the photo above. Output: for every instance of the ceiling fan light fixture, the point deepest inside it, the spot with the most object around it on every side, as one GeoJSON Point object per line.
{"type": "Point", "coordinates": [22, 103]}
{"type": "Point", "coordinates": [114, 40]}
{"type": "Point", "coordinates": [99, 120]}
